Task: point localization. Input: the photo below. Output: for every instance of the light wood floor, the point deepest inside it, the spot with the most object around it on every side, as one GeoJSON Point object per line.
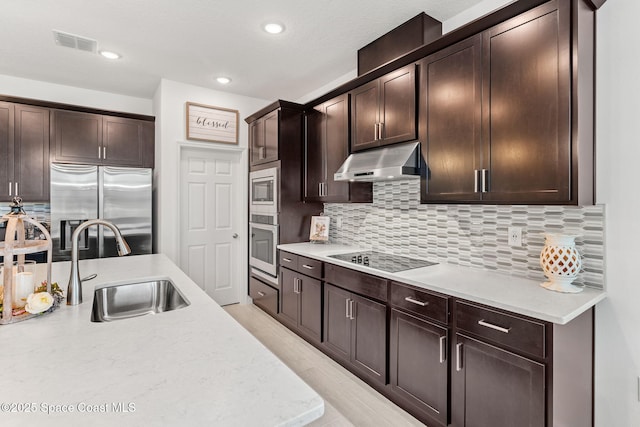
{"type": "Point", "coordinates": [348, 400]}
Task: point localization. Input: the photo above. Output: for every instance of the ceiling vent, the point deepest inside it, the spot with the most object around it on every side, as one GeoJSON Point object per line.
{"type": "Point", "coordinates": [75, 42]}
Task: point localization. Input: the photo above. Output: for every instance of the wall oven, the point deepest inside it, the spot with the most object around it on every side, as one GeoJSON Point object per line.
{"type": "Point", "coordinates": [263, 191]}
{"type": "Point", "coordinates": [263, 232]}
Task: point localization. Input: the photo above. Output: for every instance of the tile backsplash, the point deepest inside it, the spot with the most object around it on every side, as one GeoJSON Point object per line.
{"type": "Point", "coordinates": [41, 212]}
{"type": "Point", "coordinates": [468, 235]}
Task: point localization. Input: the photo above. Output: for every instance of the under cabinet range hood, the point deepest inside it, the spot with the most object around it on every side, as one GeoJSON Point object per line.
{"type": "Point", "coordinates": [394, 162]}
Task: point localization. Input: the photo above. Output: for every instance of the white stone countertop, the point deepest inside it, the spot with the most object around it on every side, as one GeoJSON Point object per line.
{"type": "Point", "coordinates": [519, 295]}
{"type": "Point", "coordinates": [195, 366]}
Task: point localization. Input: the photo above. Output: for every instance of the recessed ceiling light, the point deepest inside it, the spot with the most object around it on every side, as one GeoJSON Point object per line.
{"type": "Point", "coordinates": [223, 80]}
{"type": "Point", "coordinates": [110, 55]}
{"type": "Point", "coordinates": [273, 28]}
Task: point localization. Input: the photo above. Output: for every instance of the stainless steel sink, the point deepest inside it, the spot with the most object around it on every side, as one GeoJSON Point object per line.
{"type": "Point", "coordinates": [135, 299]}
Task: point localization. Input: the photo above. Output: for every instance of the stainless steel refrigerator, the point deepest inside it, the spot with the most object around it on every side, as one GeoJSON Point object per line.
{"type": "Point", "coordinates": [116, 194]}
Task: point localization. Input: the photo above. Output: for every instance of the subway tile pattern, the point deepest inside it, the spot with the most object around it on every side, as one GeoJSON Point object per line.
{"type": "Point", "coordinates": [468, 235]}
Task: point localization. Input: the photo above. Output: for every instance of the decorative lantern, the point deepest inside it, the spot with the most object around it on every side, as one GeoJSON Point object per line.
{"type": "Point", "coordinates": [560, 262]}
{"type": "Point", "coordinates": [18, 281]}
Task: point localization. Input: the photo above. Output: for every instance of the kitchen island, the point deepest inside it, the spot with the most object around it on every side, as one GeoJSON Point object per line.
{"type": "Point", "coordinates": [191, 366]}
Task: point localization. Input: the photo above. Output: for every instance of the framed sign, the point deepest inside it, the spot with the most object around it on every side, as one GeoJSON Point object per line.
{"type": "Point", "coordinates": [319, 231]}
{"type": "Point", "coordinates": [212, 124]}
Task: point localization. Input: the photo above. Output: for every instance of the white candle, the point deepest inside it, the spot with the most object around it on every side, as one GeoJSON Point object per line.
{"type": "Point", "coordinates": [22, 288]}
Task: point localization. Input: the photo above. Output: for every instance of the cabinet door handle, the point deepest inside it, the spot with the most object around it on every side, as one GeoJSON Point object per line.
{"type": "Point", "coordinates": [375, 131]}
{"type": "Point", "coordinates": [476, 189]}
{"type": "Point", "coordinates": [443, 349]}
{"type": "Point", "coordinates": [346, 308]}
{"type": "Point", "coordinates": [10, 188]}
{"type": "Point", "coordinates": [17, 193]}
{"type": "Point", "coordinates": [459, 357]}
{"type": "Point", "coordinates": [299, 286]}
{"type": "Point", "coordinates": [308, 267]}
{"type": "Point", "coordinates": [261, 293]}
{"type": "Point", "coordinates": [104, 152]}
{"type": "Point", "coordinates": [351, 313]}
{"type": "Point", "coordinates": [380, 130]}
{"type": "Point", "coordinates": [485, 180]}
{"type": "Point", "coordinates": [492, 326]}
{"type": "Point", "coordinates": [99, 153]}
{"type": "Point", "coordinates": [261, 153]}
{"type": "Point", "coordinates": [415, 301]}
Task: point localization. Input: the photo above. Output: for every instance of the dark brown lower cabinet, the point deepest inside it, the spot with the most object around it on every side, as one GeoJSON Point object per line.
{"type": "Point", "coordinates": [301, 303]}
{"type": "Point", "coordinates": [263, 295]}
{"type": "Point", "coordinates": [418, 364]}
{"type": "Point", "coordinates": [493, 387]}
{"type": "Point", "coordinates": [356, 332]}
{"type": "Point", "coordinates": [444, 360]}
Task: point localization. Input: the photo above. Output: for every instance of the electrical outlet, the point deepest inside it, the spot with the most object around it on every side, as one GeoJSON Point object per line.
{"type": "Point", "coordinates": [339, 222]}
{"type": "Point", "coordinates": [515, 236]}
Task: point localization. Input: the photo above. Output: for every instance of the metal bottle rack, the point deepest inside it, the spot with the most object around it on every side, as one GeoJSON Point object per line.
{"type": "Point", "coordinates": [14, 248]}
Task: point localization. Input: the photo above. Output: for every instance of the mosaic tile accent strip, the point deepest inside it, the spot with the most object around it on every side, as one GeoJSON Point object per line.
{"type": "Point", "coordinates": [468, 235]}
{"type": "Point", "coordinates": [41, 212]}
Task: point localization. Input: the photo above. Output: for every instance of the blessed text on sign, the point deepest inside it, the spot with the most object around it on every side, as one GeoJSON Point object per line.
{"type": "Point", "coordinates": [214, 124]}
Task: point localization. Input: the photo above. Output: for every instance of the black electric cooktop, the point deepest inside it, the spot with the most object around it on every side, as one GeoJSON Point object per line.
{"type": "Point", "coordinates": [385, 262]}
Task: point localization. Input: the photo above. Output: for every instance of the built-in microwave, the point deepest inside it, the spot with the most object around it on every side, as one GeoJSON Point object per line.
{"type": "Point", "coordinates": [263, 189]}
{"type": "Point", "coordinates": [263, 232]}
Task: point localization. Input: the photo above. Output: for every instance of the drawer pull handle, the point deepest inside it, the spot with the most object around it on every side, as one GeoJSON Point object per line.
{"type": "Point", "coordinates": [309, 267]}
{"type": "Point", "coordinates": [443, 351]}
{"type": "Point", "coordinates": [286, 259]}
{"type": "Point", "coordinates": [492, 326]}
{"type": "Point", "coordinates": [261, 293]}
{"type": "Point", "coordinates": [415, 301]}
{"type": "Point", "coordinates": [459, 357]}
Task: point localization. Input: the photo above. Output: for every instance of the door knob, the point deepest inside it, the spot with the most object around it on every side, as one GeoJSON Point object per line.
{"type": "Point", "coordinates": [235, 235]}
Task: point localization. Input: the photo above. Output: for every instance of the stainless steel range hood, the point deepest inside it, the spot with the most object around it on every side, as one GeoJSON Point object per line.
{"type": "Point", "coordinates": [394, 162]}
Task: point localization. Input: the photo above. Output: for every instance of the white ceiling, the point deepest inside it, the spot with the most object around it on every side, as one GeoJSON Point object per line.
{"type": "Point", "coordinates": [193, 41]}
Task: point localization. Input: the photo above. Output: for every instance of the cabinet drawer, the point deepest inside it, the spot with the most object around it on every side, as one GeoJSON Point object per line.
{"type": "Point", "coordinates": [288, 260]}
{"type": "Point", "coordinates": [264, 296]}
{"type": "Point", "coordinates": [420, 302]}
{"type": "Point", "coordinates": [360, 283]}
{"type": "Point", "coordinates": [510, 330]}
{"type": "Point", "coordinates": [310, 267]}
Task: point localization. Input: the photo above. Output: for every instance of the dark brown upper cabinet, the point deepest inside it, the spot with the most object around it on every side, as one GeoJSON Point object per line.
{"type": "Point", "coordinates": [275, 133]}
{"type": "Point", "coordinates": [326, 148]}
{"type": "Point", "coordinates": [127, 142]}
{"type": "Point", "coordinates": [88, 138]}
{"type": "Point", "coordinates": [24, 152]}
{"type": "Point", "coordinates": [527, 107]}
{"type": "Point", "coordinates": [450, 125]}
{"type": "Point", "coordinates": [7, 123]}
{"type": "Point", "coordinates": [383, 111]}
{"type": "Point", "coordinates": [263, 134]}
{"type": "Point", "coordinates": [522, 131]}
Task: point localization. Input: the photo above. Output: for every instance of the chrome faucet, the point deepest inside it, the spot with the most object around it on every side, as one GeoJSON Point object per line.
{"type": "Point", "coordinates": [74, 290]}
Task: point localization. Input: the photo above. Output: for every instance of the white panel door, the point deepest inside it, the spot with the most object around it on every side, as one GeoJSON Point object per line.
{"type": "Point", "coordinates": [209, 221]}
